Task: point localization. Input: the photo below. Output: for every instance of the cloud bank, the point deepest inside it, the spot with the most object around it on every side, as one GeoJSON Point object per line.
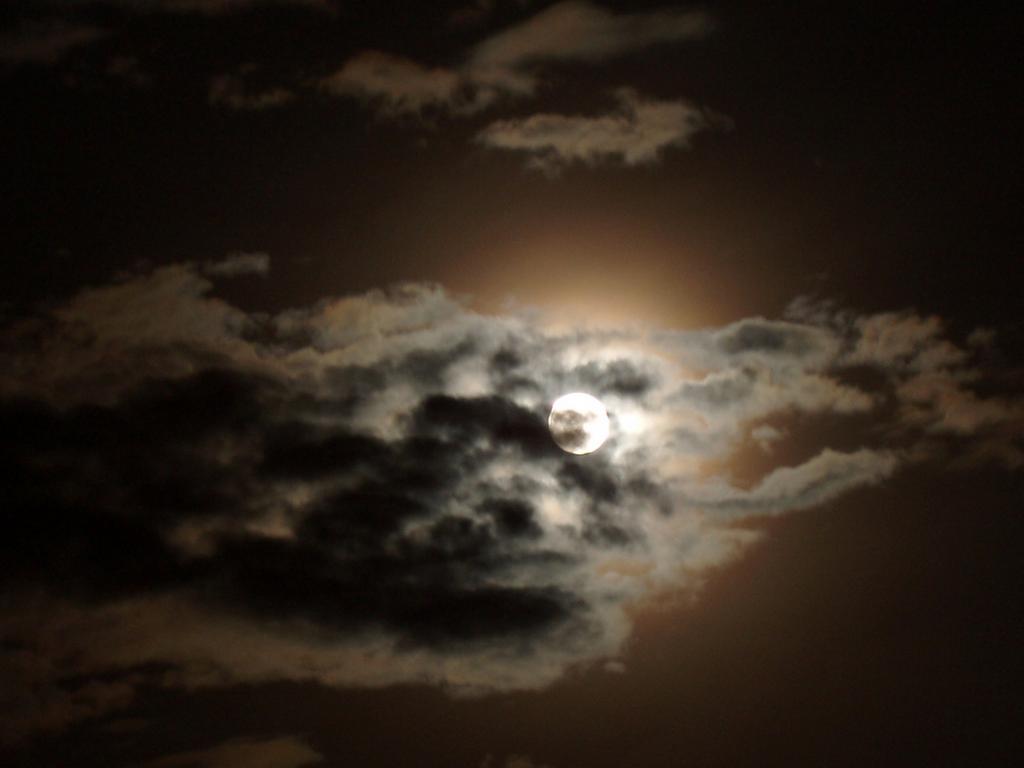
{"type": "Point", "coordinates": [364, 491]}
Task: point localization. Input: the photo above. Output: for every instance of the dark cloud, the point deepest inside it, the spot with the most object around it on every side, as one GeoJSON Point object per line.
{"type": "Point", "coordinates": [297, 452]}
{"type": "Point", "coordinates": [513, 517]}
{"type": "Point", "coordinates": [615, 377]}
{"type": "Point", "coordinates": [428, 367]}
{"type": "Point", "coordinates": [592, 480]}
{"type": "Point", "coordinates": [349, 564]}
{"type": "Point", "coordinates": [493, 418]}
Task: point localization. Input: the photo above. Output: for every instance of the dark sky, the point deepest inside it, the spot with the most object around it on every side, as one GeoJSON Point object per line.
{"type": "Point", "coordinates": [288, 289]}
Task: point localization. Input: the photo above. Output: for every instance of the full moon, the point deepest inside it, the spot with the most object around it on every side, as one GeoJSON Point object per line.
{"type": "Point", "coordinates": [578, 423]}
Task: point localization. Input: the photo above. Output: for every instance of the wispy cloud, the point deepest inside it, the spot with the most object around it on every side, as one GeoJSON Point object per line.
{"type": "Point", "coordinates": [398, 85]}
{"type": "Point", "coordinates": [636, 134]}
{"type": "Point", "coordinates": [203, 7]}
{"type": "Point", "coordinates": [233, 92]}
{"type": "Point", "coordinates": [576, 31]}
{"type": "Point", "coordinates": [239, 263]}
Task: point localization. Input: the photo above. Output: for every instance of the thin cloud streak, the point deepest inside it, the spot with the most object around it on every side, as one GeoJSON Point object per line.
{"type": "Point", "coordinates": [280, 752]}
{"type": "Point", "coordinates": [637, 134]}
{"type": "Point", "coordinates": [47, 42]}
{"type": "Point", "coordinates": [232, 92]}
{"type": "Point", "coordinates": [203, 7]}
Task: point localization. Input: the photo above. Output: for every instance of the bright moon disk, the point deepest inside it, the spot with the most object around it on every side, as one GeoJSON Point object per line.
{"type": "Point", "coordinates": [578, 423]}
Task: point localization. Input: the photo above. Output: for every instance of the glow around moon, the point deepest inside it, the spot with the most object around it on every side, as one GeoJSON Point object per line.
{"type": "Point", "coordinates": [578, 423]}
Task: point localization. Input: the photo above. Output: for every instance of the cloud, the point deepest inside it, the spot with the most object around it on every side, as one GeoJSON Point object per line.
{"type": "Point", "coordinates": [232, 92]}
{"type": "Point", "coordinates": [765, 435]}
{"type": "Point", "coordinates": [214, 7]}
{"type": "Point", "coordinates": [203, 7]}
{"type": "Point", "coordinates": [129, 71]}
{"type": "Point", "coordinates": [940, 402]}
{"type": "Point", "coordinates": [503, 64]}
{"type": "Point", "coordinates": [814, 482]}
{"type": "Point", "coordinates": [46, 42]}
{"type": "Point", "coordinates": [636, 135]}
{"type": "Point", "coordinates": [904, 340]}
{"type": "Point", "coordinates": [280, 752]}
{"type": "Point", "coordinates": [473, 13]}
{"type": "Point", "coordinates": [364, 492]}
{"type": "Point", "coordinates": [576, 31]}
{"type": "Point", "coordinates": [35, 699]}
{"type": "Point", "coordinates": [512, 761]}
{"type": "Point", "coordinates": [240, 263]}
{"type": "Point", "coordinates": [397, 84]}
{"type": "Point", "coordinates": [931, 378]}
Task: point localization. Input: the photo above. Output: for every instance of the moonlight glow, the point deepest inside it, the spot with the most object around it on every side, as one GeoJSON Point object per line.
{"type": "Point", "coordinates": [578, 423]}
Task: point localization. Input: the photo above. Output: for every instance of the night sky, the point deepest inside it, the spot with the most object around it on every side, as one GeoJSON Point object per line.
{"type": "Point", "coordinates": [289, 287]}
